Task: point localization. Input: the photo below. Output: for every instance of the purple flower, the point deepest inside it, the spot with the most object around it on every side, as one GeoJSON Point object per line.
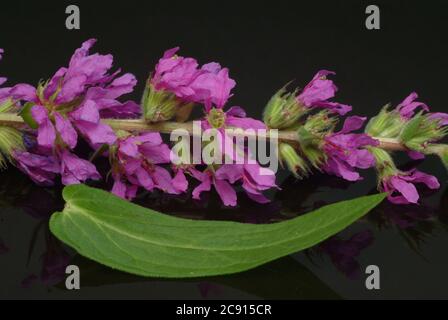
{"type": "Point", "coordinates": [317, 93]}
{"type": "Point", "coordinates": [75, 170]}
{"type": "Point", "coordinates": [223, 187]}
{"type": "Point", "coordinates": [175, 74]}
{"type": "Point", "coordinates": [209, 85]}
{"type": "Point", "coordinates": [180, 182]}
{"type": "Point", "coordinates": [401, 186]}
{"type": "Point", "coordinates": [49, 129]}
{"type": "Point", "coordinates": [41, 169]}
{"type": "Point", "coordinates": [255, 179]}
{"type": "Point", "coordinates": [43, 165]}
{"type": "Point", "coordinates": [409, 105]}
{"type": "Point", "coordinates": [431, 127]}
{"type": "Point", "coordinates": [136, 164]}
{"type": "Point", "coordinates": [234, 117]}
{"type": "Point", "coordinates": [345, 150]}
{"type": "Point", "coordinates": [76, 97]}
{"type": "Point", "coordinates": [441, 117]}
{"type": "Point", "coordinates": [105, 98]}
{"type": "Point", "coordinates": [212, 86]}
{"type": "Point", "coordinates": [86, 118]}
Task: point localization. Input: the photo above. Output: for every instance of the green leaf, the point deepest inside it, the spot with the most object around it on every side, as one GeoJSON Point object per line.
{"type": "Point", "coordinates": [26, 115]}
{"type": "Point", "coordinates": [141, 241]}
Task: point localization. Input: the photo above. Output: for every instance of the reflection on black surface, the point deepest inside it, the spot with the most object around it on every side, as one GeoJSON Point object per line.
{"type": "Point", "coordinates": [295, 194]}
{"type": "Point", "coordinates": [344, 252]}
{"type": "Point", "coordinates": [415, 224]}
{"type": "Point", "coordinates": [284, 278]}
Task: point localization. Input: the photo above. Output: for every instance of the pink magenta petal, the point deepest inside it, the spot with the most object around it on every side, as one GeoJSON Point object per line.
{"type": "Point", "coordinates": [226, 192]}
{"type": "Point", "coordinates": [66, 130]}
{"type": "Point", "coordinates": [407, 189]}
{"type": "Point", "coordinates": [205, 185]}
{"type": "Point", "coordinates": [46, 133]}
{"type": "Point", "coordinates": [180, 182]}
{"type": "Point", "coordinates": [353, 123]}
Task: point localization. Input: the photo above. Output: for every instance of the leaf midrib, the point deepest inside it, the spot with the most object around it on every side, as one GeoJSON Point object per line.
{"type": "Point", "coordinates": [156, 243]}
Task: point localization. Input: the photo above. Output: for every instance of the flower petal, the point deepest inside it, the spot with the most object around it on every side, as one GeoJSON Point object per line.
{"type": "Point", "coordinates": [226, 192]}
{"type": "Point", "coordinates": [66, 130]}
{"type": "Point", "coordinates": [46, 133]}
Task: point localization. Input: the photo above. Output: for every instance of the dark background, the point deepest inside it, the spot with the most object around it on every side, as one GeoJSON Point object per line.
{"type": "Point", "coordinates": [265, 45]}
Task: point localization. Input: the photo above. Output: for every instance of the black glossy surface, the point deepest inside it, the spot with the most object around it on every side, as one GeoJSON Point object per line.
{"type": "Point", "coordinates": [265, 46]}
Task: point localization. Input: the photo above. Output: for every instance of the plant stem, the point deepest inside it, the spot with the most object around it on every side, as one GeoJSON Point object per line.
{"type": "Point", "coordinates": [13, 120]}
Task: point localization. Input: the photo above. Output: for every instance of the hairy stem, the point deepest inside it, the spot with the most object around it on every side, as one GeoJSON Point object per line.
{"type": "Point", "coordinates": [139, 125]}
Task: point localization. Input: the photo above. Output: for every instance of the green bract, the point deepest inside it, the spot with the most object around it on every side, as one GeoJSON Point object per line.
{"type": "Point", "coordinates": [283, 110]}
{"type": "Point", "coordinates": [159, 105]}
{"type": "Point", "coordinates": [387, 124]}
{"type": "Point", "coordinates": [420, 131]}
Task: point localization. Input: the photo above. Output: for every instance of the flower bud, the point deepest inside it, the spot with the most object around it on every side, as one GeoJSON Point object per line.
{"type": "Point", "coordinates": [319, 124]}
{"type": "Point", "coordinates": [440, 150]}
{"type": "Point", "coordinates": [385, 165]}
{"type": "Point", "coordinates": [420, 131]}
{"type": "Point", "coordinates": [387, 124]}
{"type": "Point", "coordinates": [311, 146]}
{"type": "Point", "coordinates": [295, 163]}
{"type": "Point", "coordinates": [283, 110]}
{"type": "Point", "coordinates": [159, 105]}
{"type": "Point", "coordinates": [11, 140]}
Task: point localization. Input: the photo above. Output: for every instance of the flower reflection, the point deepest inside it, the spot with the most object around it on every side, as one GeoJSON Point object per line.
{"type": "Point", "coordinates": [343, 253]}
{"type": "Point", "coordinates": [3, 248]}
{"type": "Point", "coordinates": [209, 289]}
